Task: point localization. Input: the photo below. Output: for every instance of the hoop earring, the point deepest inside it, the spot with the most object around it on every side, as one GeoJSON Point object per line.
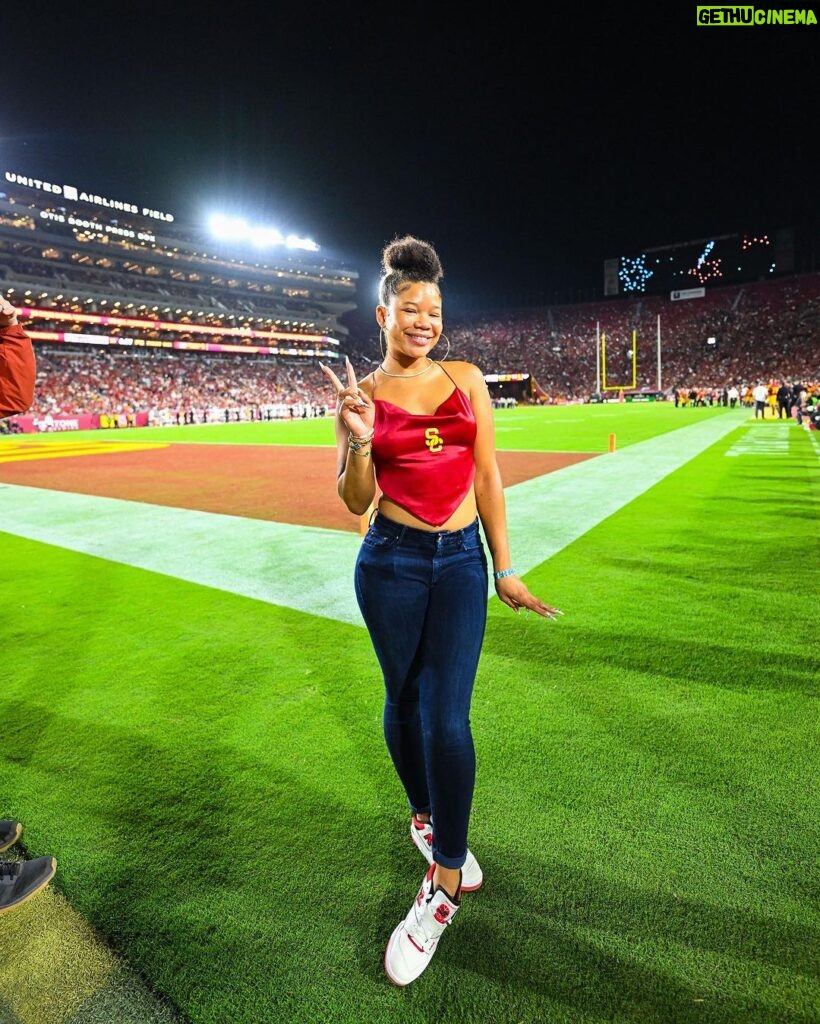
{"type": "Point", "coordinates": [381, 343]}
{"type": "Point", "coordinates": [443, 335]}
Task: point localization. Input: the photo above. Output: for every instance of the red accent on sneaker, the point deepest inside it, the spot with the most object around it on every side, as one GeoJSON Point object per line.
{"type": "Point", "coordinates": [427, 878]}
{"type": "Point", "coordinates": [442, 913]}
{"type": "Point", "coordinates": [418, 947]}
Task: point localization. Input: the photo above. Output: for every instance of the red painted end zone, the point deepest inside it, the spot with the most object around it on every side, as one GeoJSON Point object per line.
{"type": "Point", "coordinates": [283, 484]}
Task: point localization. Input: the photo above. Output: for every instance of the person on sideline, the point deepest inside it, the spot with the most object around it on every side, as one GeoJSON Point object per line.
{"type": "Point", "coordinates": [784, 401]}
{"type": "Point", "coordinates": [771, 399]}
{"type": "Point", "coordinates": [760, 395]}
{"type": "Point", "coordinates": [799, 396]}
{"type": "Point", "coordinates": [18, 369]}
{"type": "Point", "coordinates": [20, 880]}
{"type": "Point", "coordinates": [423, 431]}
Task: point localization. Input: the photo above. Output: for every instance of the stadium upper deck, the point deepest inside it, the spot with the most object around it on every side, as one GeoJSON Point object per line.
{"type": "Point", "coordinates": [86, 269]}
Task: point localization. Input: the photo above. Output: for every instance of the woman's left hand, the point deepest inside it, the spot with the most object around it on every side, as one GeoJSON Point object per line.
{"type": "Point", "coordinates": [513, 592]}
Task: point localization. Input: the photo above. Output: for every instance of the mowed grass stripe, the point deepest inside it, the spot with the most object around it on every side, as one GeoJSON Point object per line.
{"type": "Point", "coordinates": [311, 570]}
{"type": "Point", "coordinates": [548, 512]}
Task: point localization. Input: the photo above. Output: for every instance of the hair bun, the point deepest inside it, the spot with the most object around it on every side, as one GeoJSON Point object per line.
{"type": "Point", "coordinates": [412, 257]}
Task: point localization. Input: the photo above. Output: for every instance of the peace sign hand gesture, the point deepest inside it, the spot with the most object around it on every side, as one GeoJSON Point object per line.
{"type": "Point", "coordinates": [353, 407]}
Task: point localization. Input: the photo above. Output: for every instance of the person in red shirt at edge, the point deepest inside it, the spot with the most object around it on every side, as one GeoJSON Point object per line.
{"type": "Point", "coordinates": [20, 879]}
{"type": "Point", "coordinates": [422, 431]}
{"type": "Point", "coordinates": [18, 369]}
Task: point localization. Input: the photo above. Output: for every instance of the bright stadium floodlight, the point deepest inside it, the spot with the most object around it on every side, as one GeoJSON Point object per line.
{"type": "Point", "coordinates": [262, 236]}
{"type": "Point", "coordinates": [265, 236]}
{"type": "Point", "coordinates": [229, 229]}
{"type": "Point", "coordinates": [293, 242]}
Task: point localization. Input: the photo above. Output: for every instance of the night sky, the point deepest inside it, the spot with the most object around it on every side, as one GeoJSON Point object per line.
{"type": "Point", "coordinates": [527, 154]}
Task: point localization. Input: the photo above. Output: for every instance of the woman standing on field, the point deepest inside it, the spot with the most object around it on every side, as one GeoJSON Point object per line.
{"type": "Point", "coordinates": [423, 430]}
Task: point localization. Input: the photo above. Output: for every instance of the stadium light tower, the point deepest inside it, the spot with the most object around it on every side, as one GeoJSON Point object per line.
{"type": "Point", "coordinates": [237, 229]}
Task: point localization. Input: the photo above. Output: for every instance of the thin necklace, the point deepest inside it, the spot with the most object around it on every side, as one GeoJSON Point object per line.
{"type": "Point", "coordinates": [418, 373]}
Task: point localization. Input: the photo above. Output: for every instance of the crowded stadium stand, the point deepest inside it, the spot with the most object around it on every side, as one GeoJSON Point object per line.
{"type": "Point", "coordinates": [759, 331]}
{"type": "Point", "coordinates": [139, 320]}
{"type": "Point", "coordinates": [88, 273]}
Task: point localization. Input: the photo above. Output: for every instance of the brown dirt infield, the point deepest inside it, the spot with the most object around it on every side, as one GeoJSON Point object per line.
{"type": "Point", "coordinates": [287, 484]}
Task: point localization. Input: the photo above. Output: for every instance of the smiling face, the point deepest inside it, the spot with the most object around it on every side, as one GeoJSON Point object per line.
{"type": "Point", "coordinates": [412, 321]}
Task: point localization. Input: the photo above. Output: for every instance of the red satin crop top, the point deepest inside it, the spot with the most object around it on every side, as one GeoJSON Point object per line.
{"type": "Point", "coordinates": [425, 464]}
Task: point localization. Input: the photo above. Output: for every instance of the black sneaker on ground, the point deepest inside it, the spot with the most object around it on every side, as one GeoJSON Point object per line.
{"type": "Point", "coordinates": [10, 832]}
{"type": "Point", "coordinates": [20, 880]}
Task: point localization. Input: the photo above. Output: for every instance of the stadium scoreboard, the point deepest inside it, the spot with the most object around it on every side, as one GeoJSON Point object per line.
{"type": "Point", "coordinates": [720, 260]}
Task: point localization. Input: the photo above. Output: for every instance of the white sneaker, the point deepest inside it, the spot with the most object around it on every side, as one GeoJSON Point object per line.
{"type": "Point", "coordinates": [421, 832]}
{"type": "Point", "coordinates": [414, 941]}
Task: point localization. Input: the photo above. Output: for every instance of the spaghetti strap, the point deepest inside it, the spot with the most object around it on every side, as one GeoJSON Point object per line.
{"type": "Point", "coordinates": [455, 385]}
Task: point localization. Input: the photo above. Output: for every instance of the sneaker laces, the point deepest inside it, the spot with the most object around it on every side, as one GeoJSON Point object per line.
{"type": "Point", "coordinates": [428, 928]}
{"type": "Point", "coordinates": [10, 868]}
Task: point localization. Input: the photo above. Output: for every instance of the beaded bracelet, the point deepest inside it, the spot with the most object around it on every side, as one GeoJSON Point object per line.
{"type": "Point", "coordinates": [355, 443]}
{"type": "Point", "coordinates": [504, 573]}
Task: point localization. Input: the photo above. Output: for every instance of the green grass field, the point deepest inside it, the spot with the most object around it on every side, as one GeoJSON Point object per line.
{"type": "Point", "coordinates": [569, 428]}
{"type": "Point", "coordinates": [232, 842]}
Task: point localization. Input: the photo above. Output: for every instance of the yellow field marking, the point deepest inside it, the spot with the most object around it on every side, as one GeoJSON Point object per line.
{"type": "Point", "coordinates": [22, 451]}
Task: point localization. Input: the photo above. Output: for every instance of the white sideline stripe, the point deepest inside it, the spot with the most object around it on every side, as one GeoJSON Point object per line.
{"type": "Point", "coordinates": [549, 512]}
{"type": "Point", "coordinates": [295, 566]}
{"type": "Point", "coordinates": [311, 569]}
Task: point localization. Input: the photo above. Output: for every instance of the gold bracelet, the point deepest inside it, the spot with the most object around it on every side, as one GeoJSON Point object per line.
{"type": "Point", "coordinates": [355, 444]}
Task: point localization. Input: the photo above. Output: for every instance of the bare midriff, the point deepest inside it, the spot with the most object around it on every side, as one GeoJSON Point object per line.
{"type": "Point", "coordinates": [463, 516]}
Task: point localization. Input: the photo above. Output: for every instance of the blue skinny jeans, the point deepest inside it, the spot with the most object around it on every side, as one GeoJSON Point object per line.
{"type": "Point", "coordinates": [423, 597]}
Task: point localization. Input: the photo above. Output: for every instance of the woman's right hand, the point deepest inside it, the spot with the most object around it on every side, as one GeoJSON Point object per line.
{"type": "Point", "coordinates": [353, 407]}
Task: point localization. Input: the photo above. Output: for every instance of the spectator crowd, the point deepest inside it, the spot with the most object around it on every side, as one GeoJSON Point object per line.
{"type": "Point", "coordinates": [732, 338]}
